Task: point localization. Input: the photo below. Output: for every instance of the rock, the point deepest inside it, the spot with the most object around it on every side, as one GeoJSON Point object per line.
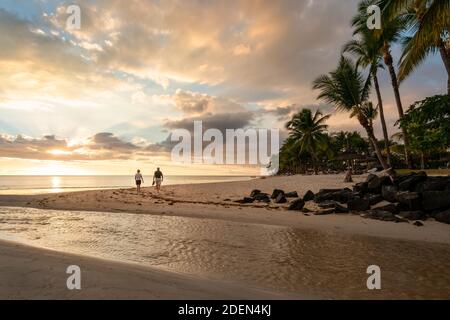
{"type": "Point", "coordinates": [374, 183]}
{"type": "Point", "coordinates": [411, 215]}
{"type": "Point", "coordinates": [389, 193]}
{"type": "Point", "coordinates": [327, 204]}
{"type": "Point", "coordinates": [410, 200]}
{"type": "Point", "coordinates": [433, 184]}
{"type": "Point", "coordinates": [293, 194]}
{"type": "Point", "coordinates": [358, 204]}
{"type": "Point", "coordinates": [418, 224]}
{"type": "Point", "coordinates": [386, 181]}
{"type": "Point", "coordinates": [340, 195]}
{"type": "Point", "coordinates": [380, 215]}
{"type": "Point", "coordinates": [331, 204]}
{"type": "Point", "coordinates": [255, 193]}
{"type": "Point", "coordinates": [374, 199]}
{"type": "Point", "coordinates": [390, 207]}
{"type": "Point", "coordinates": [276, 193]}
{"type": "Point", "coordinates": [324, 212]}
{"type": "Point", "coordinates": [340, 209]}
{"type": "Point", "coordinates": [434, 200]}
{"type": "Point", "coordinates": [297, 205]}
{"type": "Point", "coordinates": [306, 210]}
{"type": "Point", "coordinates": [409, 183]}
{"type": "Point", "coordinates": [262, 197]}
{"type": "Point", "coordinates": [361, 188]}
{"type": "Point", "coordinates": [281, 198]}
{"type": "Point", "coordinates": [399, 219]}
{"type": "Point", "coordinates": [246, 200]}
{"type": "Point", "coordinates": [443, 217]}
{"type": "Point", "coordinates": [309, 196]}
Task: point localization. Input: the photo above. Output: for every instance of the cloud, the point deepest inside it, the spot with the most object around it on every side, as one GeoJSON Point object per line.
{"type": "Point", "coordinates": [101, 146]}
{"type": "Point", "coordinates": [221, 121]}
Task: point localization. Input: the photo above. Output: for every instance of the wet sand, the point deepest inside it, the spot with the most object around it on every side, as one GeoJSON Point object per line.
{"type": "Point", "coordinates": [31, 273]}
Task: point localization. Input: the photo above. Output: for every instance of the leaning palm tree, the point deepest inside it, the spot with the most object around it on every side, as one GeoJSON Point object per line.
{"type": "Point", "coordinates": [347, 89]}
{"type": "Point", "coordinates": [308, 132]}
{"type": "Point", "coordinates": [428, 26]}
{"type": "Point", "coordinates": [391, 32]}
{"type": "Point", "coordinates": [368, 54]}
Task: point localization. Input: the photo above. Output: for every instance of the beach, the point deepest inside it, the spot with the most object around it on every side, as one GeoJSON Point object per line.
{"type": "Point", "coordinates": [408, 249]}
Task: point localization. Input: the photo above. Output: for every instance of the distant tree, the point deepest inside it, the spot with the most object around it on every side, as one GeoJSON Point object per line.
{"type": "Point", "coordinates": [308, 134]}
{"type": "Point", "coordinates": [428, 124]}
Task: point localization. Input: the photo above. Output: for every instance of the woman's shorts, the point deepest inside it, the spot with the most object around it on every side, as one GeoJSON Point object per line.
{"type": "Point", "coordinates": [138, 182]}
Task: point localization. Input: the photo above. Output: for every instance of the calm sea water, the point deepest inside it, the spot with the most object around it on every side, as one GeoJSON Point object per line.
{"type": "Point", "coordinates": [55, 184]}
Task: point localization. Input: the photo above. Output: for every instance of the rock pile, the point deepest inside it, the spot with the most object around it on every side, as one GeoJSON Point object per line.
{"type": "Point", "coordinates": [412, 197]}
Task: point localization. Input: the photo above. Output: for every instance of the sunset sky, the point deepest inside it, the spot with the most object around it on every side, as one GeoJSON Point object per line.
{"type": "Point", "coordinates": [103, 99]}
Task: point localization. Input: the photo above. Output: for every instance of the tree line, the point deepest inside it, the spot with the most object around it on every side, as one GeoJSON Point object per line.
{"type": "Point", "coordinates": [422, 28]}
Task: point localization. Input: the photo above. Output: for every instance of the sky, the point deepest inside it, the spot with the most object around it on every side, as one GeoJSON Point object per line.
{"type": "Point", "coordinates": [104, 98]}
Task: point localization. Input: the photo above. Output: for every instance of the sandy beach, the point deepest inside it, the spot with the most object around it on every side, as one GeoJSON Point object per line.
{"type": "Point", "coordinates": [106, 279]}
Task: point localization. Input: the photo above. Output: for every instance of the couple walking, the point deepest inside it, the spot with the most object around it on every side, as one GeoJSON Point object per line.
{"type": "Point", "coordinates": [158, 178]}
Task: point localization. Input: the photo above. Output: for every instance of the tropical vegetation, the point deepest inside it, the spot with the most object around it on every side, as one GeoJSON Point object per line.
{"type": "Point", "coordinates": [421, 28]}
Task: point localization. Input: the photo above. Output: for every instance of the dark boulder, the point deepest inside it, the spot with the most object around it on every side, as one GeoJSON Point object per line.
{"type": "Point", "coordinates": [391, 207]}
{"type": "Point", "coordinates": [362, 188]}
{"type": "Point", "coordinates": [409, 183]}
{"type": "Point", "coordinates": [325, 194]}
{"type": "Point", "coordinates": [374, 199]}
{"type": "Point", "coordinates": [293, 194]}
{"type": "Point", "coordinates": [309, 196]}
{"type": "Point", "coordinates": [418, 224]}
{"type": "Point", "coordinates": [331, 204]}
{"type": "Point", "coordinates": [434, 200]}
{"type": "Point", "coordinates": [374, 183]}
{"type": "Point", "coordinates": [297, 205]}
{"type": "Point", "coordinates": [324, 212]}
{"type": "Point", "coordinates": [276, 193]}
{"type": "Point", "coordinates": [358, 204]}
{"type": "Point", "coordinates": [410, 200]}
{"type": "Point", "coordinates": [389, 193]}
{"type": "Point", "coordinates": [281, 198]}
{"type": "Point", "coordinates": [262, 197]}
{"type": "Point", "coordinates": [340, 195]}
{"type": "Point", "coordinates": [433, 184]}
{"type": "Point", "coordinates": [443, 217]}
{"type": "Point", "coordinates": [255, 193]}
{"type": "Point", "coordinates": [246, 200]}
{"type": "Point", "coordinates": [412, 215]}
{"type": "Point", "coordinates": [380, 215]}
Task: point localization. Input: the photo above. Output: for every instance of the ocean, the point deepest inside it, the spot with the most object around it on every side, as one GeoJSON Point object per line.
{"type": "Point", "coordinates": [55, 184]}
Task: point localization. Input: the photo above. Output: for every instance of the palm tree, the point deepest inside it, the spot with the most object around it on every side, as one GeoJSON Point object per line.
{"type": "Point", "coordinates": [346, 88]}
{"type": "Point", "coordinates": [391, 32]}
{"type": "Point", "coordinates": [368, 55]}
{"type": "Point", "coordinates": [308, 132]}
{"type": "Point", "coordinates": [429, 26]}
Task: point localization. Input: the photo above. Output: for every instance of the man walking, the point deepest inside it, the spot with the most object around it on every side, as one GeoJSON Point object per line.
{"type": "Point", "coordinates": [158, 178]}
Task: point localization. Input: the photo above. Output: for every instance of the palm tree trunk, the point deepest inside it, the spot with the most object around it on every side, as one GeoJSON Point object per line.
{"type": "Point", "coordinates": [445, 54]}
{"type": "Point", "coordinates": [369, 129]}
{"type": "Point", "coordinates": [389, 61]}
{"type": "Point", "coordinates": [422, 160]}
{"type": "Point", "coordinates": [382, 118]}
